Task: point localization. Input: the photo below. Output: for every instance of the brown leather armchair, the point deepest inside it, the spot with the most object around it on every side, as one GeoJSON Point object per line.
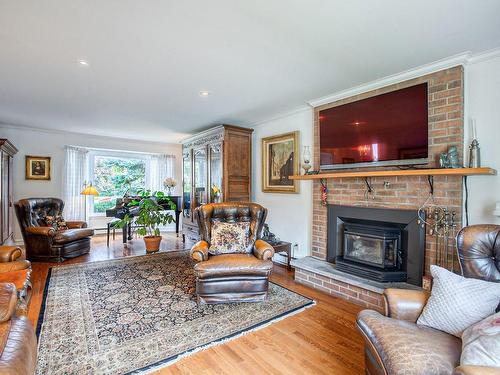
{"type": "Point", "coordinates": [18, 347]}
{"type": "Point", "coordinates": [14, 269]}
{"type": "Point", "coordinates": [232, 277]}
{"type": "Point", "coordinates": [44, 243]}
{"type": "Point", "coordinates": [395, 344]}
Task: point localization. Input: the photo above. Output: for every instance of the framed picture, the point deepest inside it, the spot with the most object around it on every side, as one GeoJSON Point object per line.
{"type": "Point", "coordinates": [280, 160]}
{"type": "Point", "coordinates": [37, 167]}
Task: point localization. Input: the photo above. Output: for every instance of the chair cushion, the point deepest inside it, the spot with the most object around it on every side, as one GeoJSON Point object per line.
{"type": "Point", "coordinates": [231, 265]}
{"type": "Point", "coordinates": [457, 302]}
{"type": "Point", "coordinates": [410, 349]}
{"type": "Point", "coordinates": [57, 222]}
{"type": "Point", "coordinates": [481, 343]}
{"type": "Point", "coordinates": [229, 238]}
{"type": "Point", "coordinates": [71, 235]}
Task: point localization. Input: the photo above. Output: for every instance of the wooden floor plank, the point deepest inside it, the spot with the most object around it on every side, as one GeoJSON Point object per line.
{"type": "Point", "coordinates": [320, 340]}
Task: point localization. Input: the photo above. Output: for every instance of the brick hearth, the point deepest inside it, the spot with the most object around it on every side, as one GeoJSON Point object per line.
{"type": "Point", "coordinates": [445, 96]}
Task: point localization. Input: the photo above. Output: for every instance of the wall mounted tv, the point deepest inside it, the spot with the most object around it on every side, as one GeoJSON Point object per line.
{"type": "Point", "coordinates": [387, 129]}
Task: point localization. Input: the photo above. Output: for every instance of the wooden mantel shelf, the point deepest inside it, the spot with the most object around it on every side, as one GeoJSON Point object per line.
{"type": "Point", "coordinates": [401, 172]}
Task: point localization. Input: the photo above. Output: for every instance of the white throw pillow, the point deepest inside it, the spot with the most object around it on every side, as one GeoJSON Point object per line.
{"type": "Point", "coordinates": [456, 302]}
{"type": "Point", "coordinates": [481, 343]}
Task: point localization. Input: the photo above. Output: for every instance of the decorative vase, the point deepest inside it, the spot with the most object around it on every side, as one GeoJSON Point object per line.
{"type": "Point", "coordinates": [152, 243]}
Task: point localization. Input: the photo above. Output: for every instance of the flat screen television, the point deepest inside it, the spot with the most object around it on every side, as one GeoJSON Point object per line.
{"type": "Point", "coordinates": [387, 129]}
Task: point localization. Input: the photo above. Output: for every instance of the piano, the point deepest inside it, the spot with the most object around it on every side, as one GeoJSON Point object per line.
{"type": "Point", "coordinates": [123, 208]}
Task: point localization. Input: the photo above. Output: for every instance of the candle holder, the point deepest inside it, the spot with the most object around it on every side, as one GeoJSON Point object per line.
{"type": "Point", "coordinates": [306, 159]}
{"type": "Point", "coordinates": [474, 154]}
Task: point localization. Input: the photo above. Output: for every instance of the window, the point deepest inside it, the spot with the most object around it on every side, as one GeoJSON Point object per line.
{"type": "Point", "coordinates": [115, 176]}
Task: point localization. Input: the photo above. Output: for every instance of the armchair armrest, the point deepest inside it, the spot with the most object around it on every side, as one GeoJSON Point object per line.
{"type": "Point", "coordinates": [476, 370]}
{"type": "Point", "coordinates": [15, 266]}
{"type": "Point", "coordinates": [263, 250]}
{"type": "Point", "coordinates": [41, 231]}
{"type": "Point", "coordinates": [10, 253]}
{"type": "Point", "coordinates": [8, 301]}
{"type": "Point", "coordinates": [199, 251]}
{"type": "Point", "coordinates": [76, 224]}
{"type": "Point", "coordinates": [404, 304]}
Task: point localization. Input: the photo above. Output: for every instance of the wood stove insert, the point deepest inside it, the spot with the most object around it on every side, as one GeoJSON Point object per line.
{"type": "Point", "coordinates": [386, 245]}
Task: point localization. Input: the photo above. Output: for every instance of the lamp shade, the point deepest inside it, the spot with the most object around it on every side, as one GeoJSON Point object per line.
{"type": "Point", "coordinates": [89, 190]}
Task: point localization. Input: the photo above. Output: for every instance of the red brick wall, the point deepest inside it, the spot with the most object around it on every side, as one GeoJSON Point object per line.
{"type": "Point", "coordinates": [445, 129]}
{"type": "Point", "coordinates": [357, 295]}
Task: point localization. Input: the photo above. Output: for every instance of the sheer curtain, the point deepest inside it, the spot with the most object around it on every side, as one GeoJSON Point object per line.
{"type": "Point", "coordinates": [74, 177]}
{"type": "Point", "coordinates": [161, 166]}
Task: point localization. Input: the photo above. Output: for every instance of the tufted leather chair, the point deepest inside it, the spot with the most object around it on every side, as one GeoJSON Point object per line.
{"type": "Point", "coordinates": [396, 345]}
{"type": "Point", "coordinates": [44, 243]}
{"type": "Point", "coordinates": [479, 251]}
{"type": "Point", "coordinates": [232, 277]}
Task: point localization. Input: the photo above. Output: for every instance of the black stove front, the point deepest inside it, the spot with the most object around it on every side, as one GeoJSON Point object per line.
{"type": "Point", "coordinates": [384, 245]}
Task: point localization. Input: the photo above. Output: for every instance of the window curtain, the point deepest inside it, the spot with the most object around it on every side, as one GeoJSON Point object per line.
{"type": "Point", "coordinates": [161, 167]}
{"type": "Point", "coordinates": [75, 175]}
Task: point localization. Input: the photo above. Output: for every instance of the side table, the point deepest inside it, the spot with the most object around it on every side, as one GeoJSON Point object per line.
{"type": "Point", "coordinates": [284, 247]}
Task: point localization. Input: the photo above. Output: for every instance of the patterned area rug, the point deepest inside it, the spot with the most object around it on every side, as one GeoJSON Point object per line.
{"type": "Point", "coordinates": [134, 314]}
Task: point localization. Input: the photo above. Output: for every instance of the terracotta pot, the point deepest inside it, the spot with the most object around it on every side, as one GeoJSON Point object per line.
{"type": "Point", "coordinates": [152, 243]}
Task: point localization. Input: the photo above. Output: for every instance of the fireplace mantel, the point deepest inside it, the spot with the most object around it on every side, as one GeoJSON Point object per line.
{"type": "Point", "coordinates": [483, 171]}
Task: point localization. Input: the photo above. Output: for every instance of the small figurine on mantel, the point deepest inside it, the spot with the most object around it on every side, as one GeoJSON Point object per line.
{"type": "Point", "coordinates": [449, 159]}
{"type": "Point", "coordinates": [269, 237]}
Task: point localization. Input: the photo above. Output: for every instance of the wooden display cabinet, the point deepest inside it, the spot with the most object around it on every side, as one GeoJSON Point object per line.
{"type": "Point", "coordinates": [222, 158]}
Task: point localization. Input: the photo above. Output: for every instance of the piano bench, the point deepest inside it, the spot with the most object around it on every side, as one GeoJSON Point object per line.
{"type": "Point", "coordinates": [111, 226]}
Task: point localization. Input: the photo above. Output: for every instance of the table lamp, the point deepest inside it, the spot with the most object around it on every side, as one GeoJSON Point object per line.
{"type": "Point", "coordinates": [88, 189]}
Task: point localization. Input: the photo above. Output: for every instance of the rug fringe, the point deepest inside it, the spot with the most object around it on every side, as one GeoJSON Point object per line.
{"type": "Point", "coordinates": [221, 341]}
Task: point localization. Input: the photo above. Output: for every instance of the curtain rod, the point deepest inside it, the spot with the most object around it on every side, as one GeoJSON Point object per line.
{"type": "Point", "coordinates": [120, 151]}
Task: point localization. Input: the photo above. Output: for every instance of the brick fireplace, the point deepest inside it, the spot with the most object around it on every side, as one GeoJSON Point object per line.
{"type": "Point", "coordinates": [445, 118]}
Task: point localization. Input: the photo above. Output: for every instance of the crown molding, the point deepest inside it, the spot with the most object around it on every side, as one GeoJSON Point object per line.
{"type": "Point", "coordinates": [485, 56]}
{"type": "Point", "coordinates": [300, 109]}
{"type": "Point", "coordinates": [460, 59]}
{"type": "Point", "coordinates": [64, 132]}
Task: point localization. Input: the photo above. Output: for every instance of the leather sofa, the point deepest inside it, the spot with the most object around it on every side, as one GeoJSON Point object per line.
{"type": "Point", "coordinates": [14, 269]}
{"type": "Point", "coordinates": [395, 344]}
{"type": "Point", "coordinates": [44, 243]}
{"type": "Point", "coordinates": [18, 346]}
{"type": "Point", "coordinates": [232, 277]}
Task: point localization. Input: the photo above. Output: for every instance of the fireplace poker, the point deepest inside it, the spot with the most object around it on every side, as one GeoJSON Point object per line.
{"type": "Point", "coordinates": [436, 233]}
{"type": "Point", "coordinates": [446, 235]}
{"type": "Point", "coordinates": [453, 219]}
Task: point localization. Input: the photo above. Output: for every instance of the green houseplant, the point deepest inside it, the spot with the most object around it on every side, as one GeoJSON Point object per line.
{"type": "Point", "coordinates": [150, 217]}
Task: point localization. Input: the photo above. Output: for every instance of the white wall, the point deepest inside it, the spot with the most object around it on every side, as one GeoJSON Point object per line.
{"type": "Point", "coordinates": [483, 104]}
{"type": "Point", "coordinates": [289, 215]}
{"type": "Point", "coordinates": [51, 143]}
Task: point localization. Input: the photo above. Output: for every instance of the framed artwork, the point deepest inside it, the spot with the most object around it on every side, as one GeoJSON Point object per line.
{"type": "Point", "coordinates": [37, 167]}
{"type": "Point", "coordinates": [280, 160]}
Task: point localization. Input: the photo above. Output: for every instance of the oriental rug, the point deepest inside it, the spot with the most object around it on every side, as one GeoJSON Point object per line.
{"type": "Point", "coordinates": [137, 314]}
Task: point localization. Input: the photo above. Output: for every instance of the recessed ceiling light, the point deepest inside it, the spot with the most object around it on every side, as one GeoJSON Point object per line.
{"type": "Point", "coordinates": [204, 93]}
{"type": "Point", "coordinates": [83, 62]}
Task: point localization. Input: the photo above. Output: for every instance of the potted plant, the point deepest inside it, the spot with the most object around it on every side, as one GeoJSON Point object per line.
{"type": "Point", "coordinates": [151, 215]}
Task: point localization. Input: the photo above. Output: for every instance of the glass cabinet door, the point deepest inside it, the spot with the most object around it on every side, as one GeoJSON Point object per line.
{"type": "Point", "coordinates": [215, 160]}
{"type": "Point", "coordinates": [200, 176]}
{"type": "Point", "coordinates": [187, 175]}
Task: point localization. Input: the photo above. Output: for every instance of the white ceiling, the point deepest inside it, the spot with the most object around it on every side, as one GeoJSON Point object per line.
{"type": "Point", "coordinates": [149, 59]}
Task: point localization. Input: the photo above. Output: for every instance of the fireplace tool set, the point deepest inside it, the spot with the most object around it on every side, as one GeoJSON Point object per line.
{"type": "Point", "coordinates": [442, 223]}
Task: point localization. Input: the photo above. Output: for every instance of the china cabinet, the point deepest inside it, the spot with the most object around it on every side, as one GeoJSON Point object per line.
{"type": "Point", "coordinates": [216, 168]}
{"type": "Point", "coordinates": [7, 151]}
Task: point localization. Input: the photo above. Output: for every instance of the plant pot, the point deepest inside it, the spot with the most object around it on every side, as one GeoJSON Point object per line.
{"type": "Point", "coordinates": [152, 243]}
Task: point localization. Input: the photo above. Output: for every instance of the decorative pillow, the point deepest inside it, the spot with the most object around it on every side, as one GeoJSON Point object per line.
{"type": "Point", "coordinates": [57, 222]}
{"type": "Point", "coordinates": [229, 238]}
{"type": "Point", "coordinates": [456, 302]}
{"type": "Point", "coordinates": [481, 343]}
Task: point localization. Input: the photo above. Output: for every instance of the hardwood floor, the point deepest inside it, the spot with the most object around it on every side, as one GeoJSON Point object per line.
{"type": "Point", "coordinates": [320, 340]}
